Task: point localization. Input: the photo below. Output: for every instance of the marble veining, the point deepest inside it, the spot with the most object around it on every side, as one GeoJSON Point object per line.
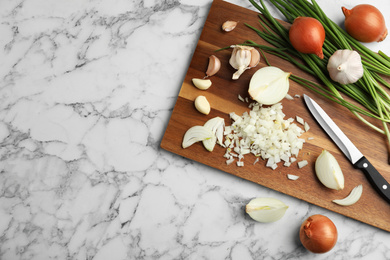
{"type": "Point", "coordinates": [87, 88]}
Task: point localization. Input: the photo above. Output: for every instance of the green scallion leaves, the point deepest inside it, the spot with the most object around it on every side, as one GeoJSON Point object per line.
{"type": "Point", "coordinates": [370, 91]}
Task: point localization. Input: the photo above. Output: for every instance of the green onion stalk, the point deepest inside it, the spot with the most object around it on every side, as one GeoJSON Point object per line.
{"type": "Point", "coordinates": [369, 91]}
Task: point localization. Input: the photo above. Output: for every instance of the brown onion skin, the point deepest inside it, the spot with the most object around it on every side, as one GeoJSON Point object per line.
{"type": "Point", "coordinates": [318, 234]}
{"type": "Point", "coordinates": [365, 23]}
{"type": "Point", "coordinates": [307, 35]}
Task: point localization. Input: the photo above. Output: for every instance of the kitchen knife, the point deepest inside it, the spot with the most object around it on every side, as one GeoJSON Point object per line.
{"type": "Point", "coordinates": [348, 148]}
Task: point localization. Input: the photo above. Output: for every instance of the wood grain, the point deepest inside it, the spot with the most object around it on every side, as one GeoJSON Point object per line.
{"type": "Point", "coordinates": [223, 97]}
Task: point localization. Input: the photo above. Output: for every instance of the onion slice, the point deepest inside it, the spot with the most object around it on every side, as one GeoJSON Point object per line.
{"type": "Point", "coordinates": [195, 134]}
{"type": "Point", "coordinates": [352, 198]}
{"type": "Point", "coordinates": [216, 125]}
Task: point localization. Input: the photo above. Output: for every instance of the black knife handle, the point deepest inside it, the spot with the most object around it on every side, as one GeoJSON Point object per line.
{"type": "Point", "coordinates": [376, 179]}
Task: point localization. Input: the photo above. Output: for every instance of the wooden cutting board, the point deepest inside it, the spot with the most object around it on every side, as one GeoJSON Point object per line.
{"type": "Point", "coordinates": [223, 97]}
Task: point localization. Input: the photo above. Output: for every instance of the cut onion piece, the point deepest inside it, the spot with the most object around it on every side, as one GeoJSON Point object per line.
{"type": "Point", "coordinates": [352, 198]}
{"type": "Point", "coordinates": [269, 85]}
{"type": "Point", "coordinates": [292, 177]}
{"type": "Point", "coordinates": [266, 209]}
{"type": "Point", "coordinates": [265, 133]}
{"type": "Point", "coordinates": [328, 171]}
{"type": "Point", "coordinates": [216, 125]}
{"type": "Point", "coordinates": [195, 134]}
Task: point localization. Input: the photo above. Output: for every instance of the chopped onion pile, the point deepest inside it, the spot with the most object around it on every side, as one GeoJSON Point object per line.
{"type": "Point", "coordinates": [265, 133]}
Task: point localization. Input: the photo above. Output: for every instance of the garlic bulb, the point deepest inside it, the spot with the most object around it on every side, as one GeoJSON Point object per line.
{"type": "Point", "coordinates": [266, 209]}
{"type": "Point", "coordinates": [352, 198]}
{"type": "Point", "coordinates": [243, 58]}
{"type": "Point", "coordinates": [269, 85]}
{"type": "Point", "coordinates": [345, 66]}
{"type": "Point", "coordinates": [328, 171]}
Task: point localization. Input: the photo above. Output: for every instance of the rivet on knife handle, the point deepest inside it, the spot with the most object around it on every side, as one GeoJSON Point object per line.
{"type": "Point", "coordinates": [381, 185]}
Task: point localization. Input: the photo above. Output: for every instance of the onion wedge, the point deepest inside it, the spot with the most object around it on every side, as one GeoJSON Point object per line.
{"type": "Point", "coordinates": [352, 198]}
{"type": "Point", "coordinates": [195, 134]}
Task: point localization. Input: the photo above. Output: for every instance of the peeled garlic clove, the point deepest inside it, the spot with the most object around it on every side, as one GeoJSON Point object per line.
{"type": "Point", "coordinates": [240, 59]}
{"type": "Point", "coordinates": [352, 198]}
{"type": "Point", "coordinates": [202, 105]}
{"type": "Point", "coordinates": [255, 58]}
{"type": "Point", "coordinates": [202, 84]}
{"type": "Point", "coordinates": [328, 171]}
{"type": "Point", "coordinates": [196, 134]}
{"type": "Point", "coordinates": [269, 85]}
{"type": "Point", "coordinates": [214, 66]}
{"type": "Point", "coordinates": [229, 26]}
{"type": "Point", "coordinates": [266, 209]}
{"type": "Point", "coordinates": [345, 66]}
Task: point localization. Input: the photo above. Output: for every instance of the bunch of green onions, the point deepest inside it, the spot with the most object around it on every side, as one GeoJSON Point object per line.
{"type": "Point", "coordinates": [369, 91]}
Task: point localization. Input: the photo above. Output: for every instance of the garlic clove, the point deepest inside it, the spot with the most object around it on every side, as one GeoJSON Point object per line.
{"type": "Point", "coordinates": [269, 85]}
{"type": "Point", "coordinates": [196, 134]}
{"type": "Point", "coordinates": [229, 26]}
{"type": "Point", "coordinates": [266, 209]}
{"type": "Point", "coordinates": [352, 198]}
{"type": "Point", "coordinates": [345, 66]}
{"type": "Point", "coordinates": [202, 84]}
{"type": "Point", "coordinates": [202, 105]}
{"type": "Point", "coordinates": [214, 66]}
{"type": "Point", "coordinates": [255, 58]}
{"type": "Point", "coordinates": [328, 171]}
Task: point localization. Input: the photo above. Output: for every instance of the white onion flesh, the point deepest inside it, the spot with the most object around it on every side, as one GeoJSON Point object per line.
{"type": "Point", "coordinates": [265, 133]}
{"type": "Point", "coordinates": [352, 198]}
{"type": "Point", "coordinates": [210, 133]}
{"type": "Point", "coordinates": [266, 209]}
{"type": "Point", "coordinates": [195, 134]}
{"type": "Point", "coordinates": [292, 177]}
{"type": "Point", "coordinates": [269, 85]}
{"type": "Point", "coordinates": [328, 171]}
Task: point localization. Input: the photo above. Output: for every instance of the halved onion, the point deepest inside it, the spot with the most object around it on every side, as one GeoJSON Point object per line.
{"type": "Point", "coordinates": [269, 85]}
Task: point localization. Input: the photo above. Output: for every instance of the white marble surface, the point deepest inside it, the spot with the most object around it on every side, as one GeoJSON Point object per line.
{"type": "Point", "coordinates": [87, 88]}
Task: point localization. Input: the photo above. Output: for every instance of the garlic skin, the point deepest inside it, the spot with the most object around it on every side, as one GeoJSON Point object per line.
{"type": "Point", "coordinates": [266, 209]}
{"type": "Point", "coordinates": [243, 58]}
{"type": "Point", "coordinates": [345, 66]}
{"type": "Point", "coordinates": [229, 26]}
{"type": "Point", "coordinates": [328, 171]}
{"type": "Point", "coordinates": [213, 67]}
{"type": "Point", "coordinates": [352, 198]}
{"type": "Point", "coordinates": [269, 85]}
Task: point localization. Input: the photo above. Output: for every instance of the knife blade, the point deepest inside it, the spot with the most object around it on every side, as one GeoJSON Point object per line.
{"type": "Point", "coordinates": [357, 159]}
